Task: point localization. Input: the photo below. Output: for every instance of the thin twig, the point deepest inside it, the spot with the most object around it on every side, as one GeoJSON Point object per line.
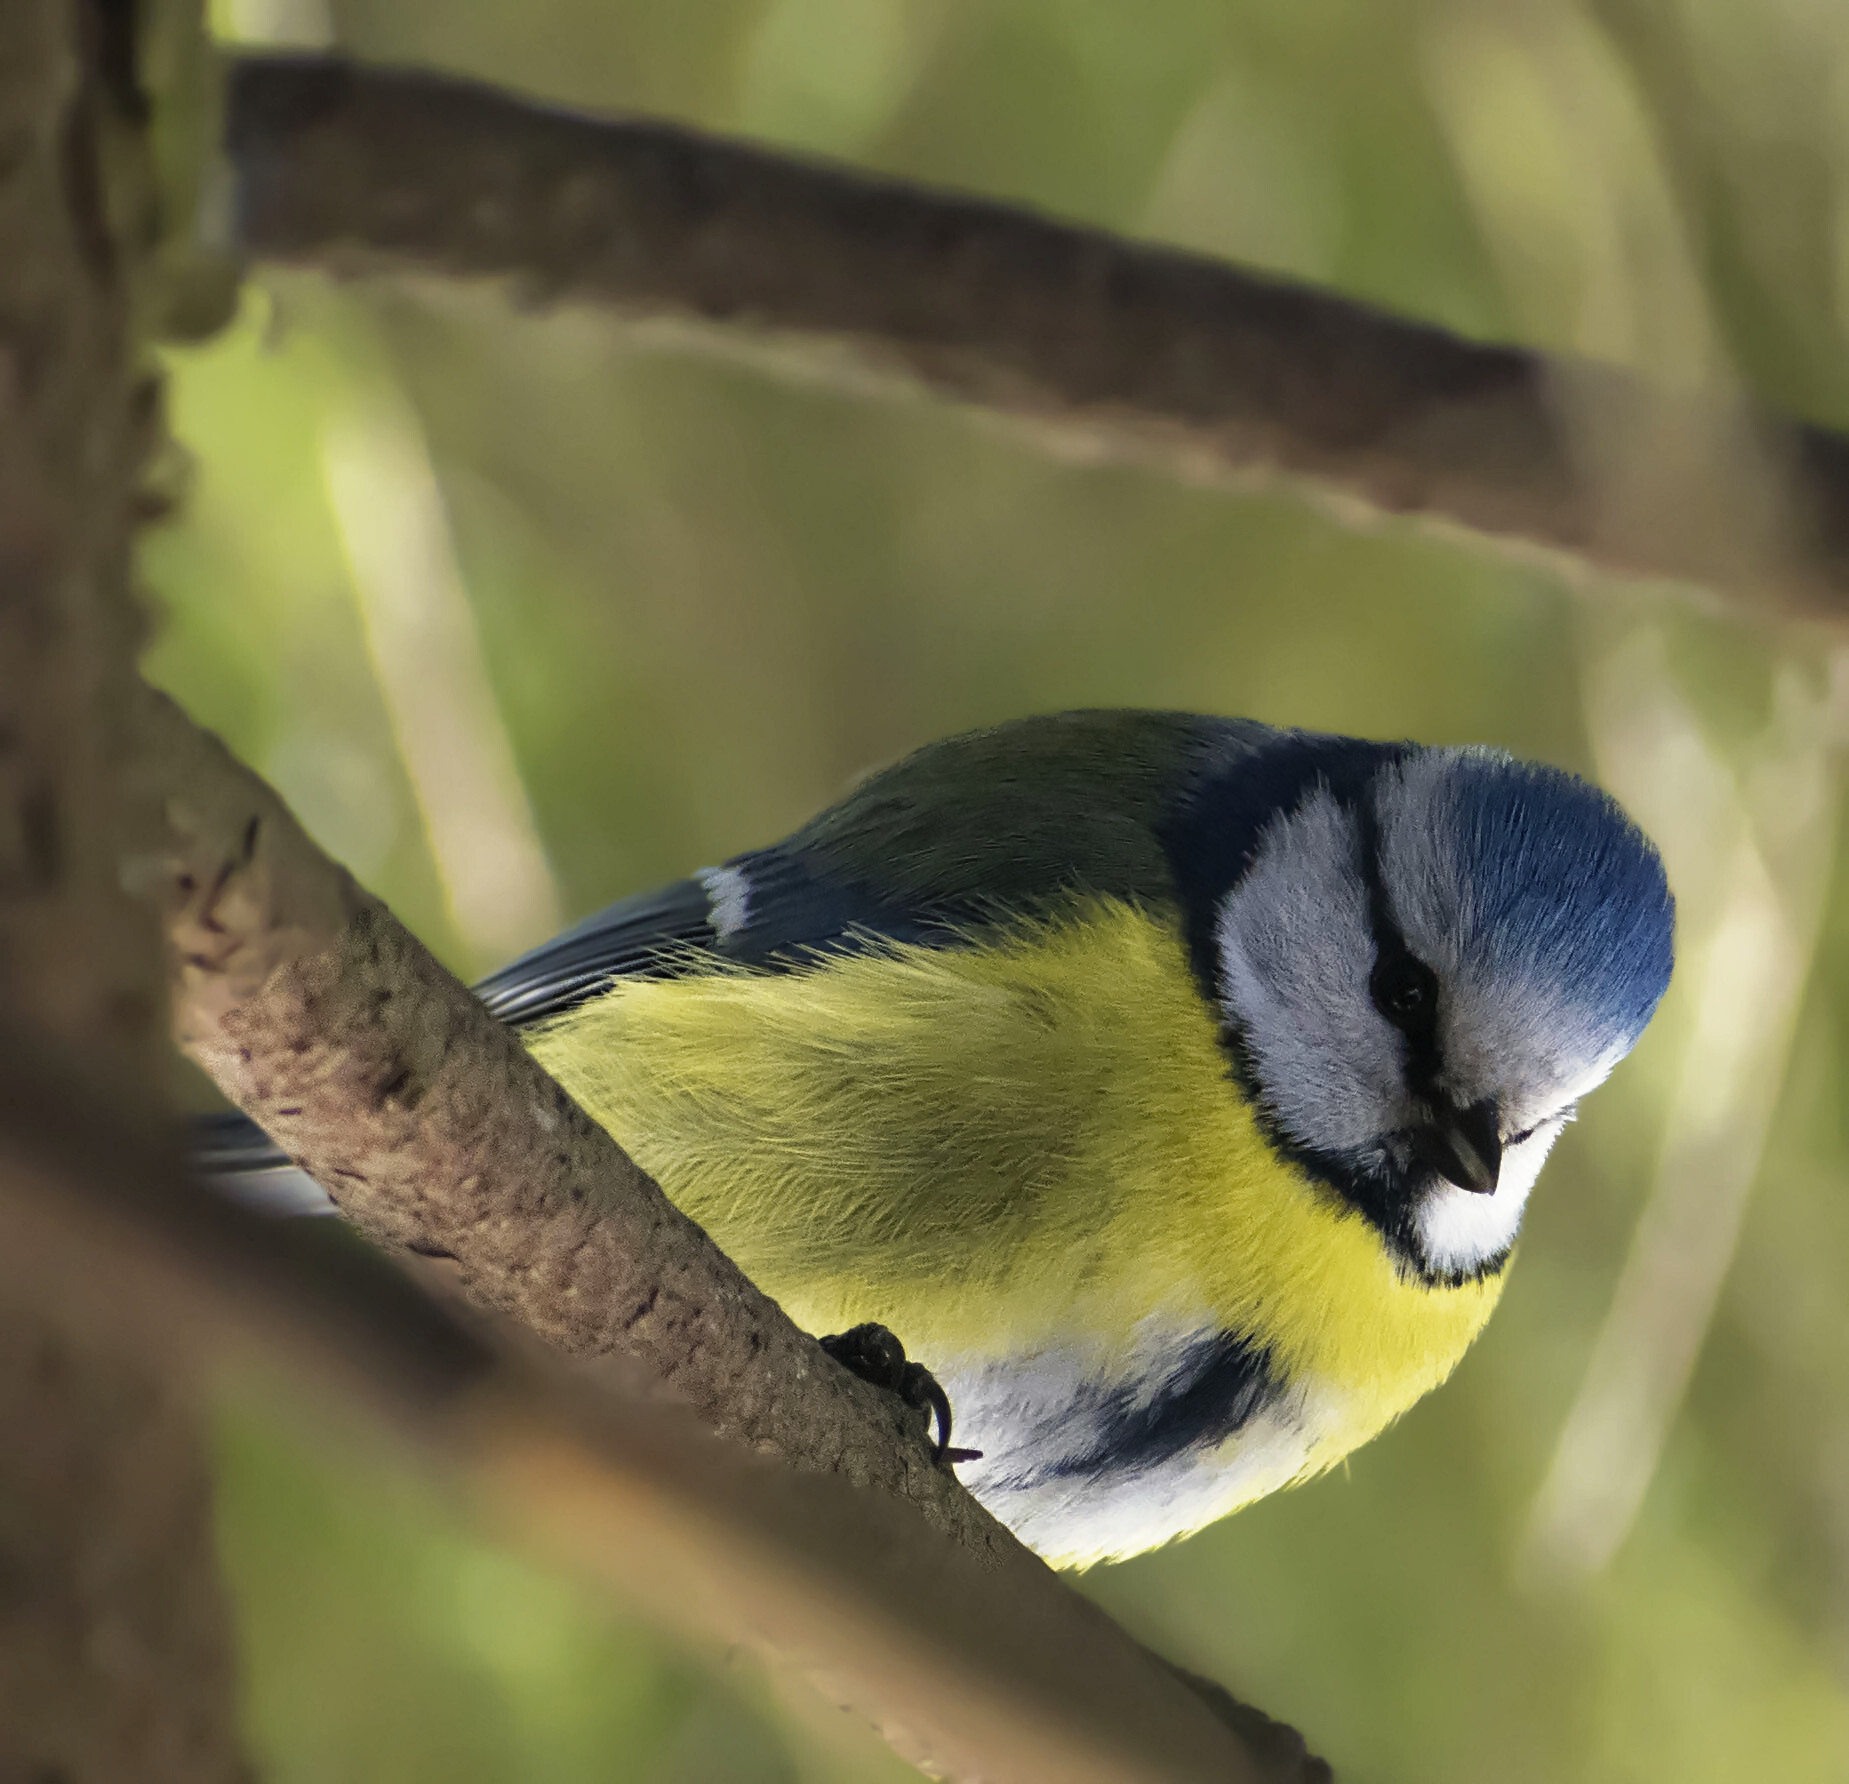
{"type": "Point", "coordinates": [1757, 850]}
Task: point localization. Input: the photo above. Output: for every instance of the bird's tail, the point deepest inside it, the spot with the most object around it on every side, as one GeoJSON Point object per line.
{"type": "Point", "coordinates": [237, 1158]}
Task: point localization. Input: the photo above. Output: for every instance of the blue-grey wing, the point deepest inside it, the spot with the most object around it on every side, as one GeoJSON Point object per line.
{"type": "Point", "coordinates": [235, 1156]}
{"type": "Point", "coordinates": [648, 934]}
{"type": "Point", "coordinates": [771, 909]}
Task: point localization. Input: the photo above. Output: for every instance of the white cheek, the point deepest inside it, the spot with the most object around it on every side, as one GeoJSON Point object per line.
{"type": "Point", "coordinates": [1295, 948]}
{"type": "Point", "coordinates": [1530, 1048]}
{"type": "Point", "coordinates": [1589, 1077]}
{"type": "Point", "coordinates": [1461, 1231]}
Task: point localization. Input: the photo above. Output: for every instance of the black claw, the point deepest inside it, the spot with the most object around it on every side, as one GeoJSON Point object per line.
{"type": "Point", "coordinates": [920, 1388]}
{"type": "Point", "coordinates": [876, 1356]}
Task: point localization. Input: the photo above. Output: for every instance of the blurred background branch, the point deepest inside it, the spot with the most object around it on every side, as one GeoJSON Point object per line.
{"type": "Point", "coordinates": [425, 650]}
{"type": "Point", "coordinates": [1765, 842]}
{"type": "Point", "coordinates": [117, 1660]}
{"type": "Point", "coordinates": [1106, 345]}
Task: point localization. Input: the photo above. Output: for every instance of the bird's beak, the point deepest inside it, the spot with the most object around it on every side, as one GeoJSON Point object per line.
{"type": "Point", "coordinates": [1464, 1146]}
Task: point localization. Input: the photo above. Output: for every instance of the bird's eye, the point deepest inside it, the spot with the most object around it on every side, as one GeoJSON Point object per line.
{"type": "Point", "coordinates": [1405, 991]}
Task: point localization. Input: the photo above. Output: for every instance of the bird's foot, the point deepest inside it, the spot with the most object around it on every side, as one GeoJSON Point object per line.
{"type": "Point", "coordinates": [876, 1356]}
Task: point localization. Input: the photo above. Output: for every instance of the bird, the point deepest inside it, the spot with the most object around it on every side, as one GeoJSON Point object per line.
{"type": "Point", "coordinates": [1162, 1091]}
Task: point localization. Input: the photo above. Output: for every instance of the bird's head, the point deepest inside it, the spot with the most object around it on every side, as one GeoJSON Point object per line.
{"type": "Point", "coordinates": [1424, 958]}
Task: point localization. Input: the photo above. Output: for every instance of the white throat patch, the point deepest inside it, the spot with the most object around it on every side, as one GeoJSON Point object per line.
{"type": "Point", "coordinates": [1458, 1231]}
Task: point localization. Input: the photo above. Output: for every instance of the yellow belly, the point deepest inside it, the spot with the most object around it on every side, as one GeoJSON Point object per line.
{"type": "Point", "coordinates": [1002, 1149]}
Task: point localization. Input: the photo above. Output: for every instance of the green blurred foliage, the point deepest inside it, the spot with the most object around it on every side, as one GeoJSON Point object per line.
{"type": "Point", "coordinates": [382, 1642]}
{"type": "Point", "coordinates": [707, 592]}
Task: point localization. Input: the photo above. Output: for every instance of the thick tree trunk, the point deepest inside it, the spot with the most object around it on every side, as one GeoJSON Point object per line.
{"type": "Point", "coordinates": [115, 1652]}
{"type": "Point", "coordinates": [115, 1662]}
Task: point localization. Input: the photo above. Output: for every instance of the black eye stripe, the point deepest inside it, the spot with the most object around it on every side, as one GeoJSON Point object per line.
{"type": "Point", "coordinates": [1389, 944]}
{"type": "Point", "coordinates": [1397, 969]}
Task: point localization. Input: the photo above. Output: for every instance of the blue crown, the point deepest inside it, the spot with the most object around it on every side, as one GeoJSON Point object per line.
{"type": "Point", "coordinates": [1567, 888]}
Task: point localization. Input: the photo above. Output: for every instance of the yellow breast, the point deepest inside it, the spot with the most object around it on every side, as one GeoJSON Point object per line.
{"type": "Point", "coordinates": [1000, 1148]}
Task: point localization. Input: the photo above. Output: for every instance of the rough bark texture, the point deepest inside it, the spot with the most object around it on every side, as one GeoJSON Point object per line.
{"type": "Point", "coordinates": [1108, 345]}
{"type": "Point", "coordinates": [115, 1662]}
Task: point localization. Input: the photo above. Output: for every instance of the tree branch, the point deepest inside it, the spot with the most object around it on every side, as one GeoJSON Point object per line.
{"type": "Point", "coordinates": [1109, 345]}
{"type": "Point", "coordinates": [437, 1133]}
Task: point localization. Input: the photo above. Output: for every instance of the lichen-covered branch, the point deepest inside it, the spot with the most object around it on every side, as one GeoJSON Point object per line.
{"type": "Point", "coordinates": [1105, 344]}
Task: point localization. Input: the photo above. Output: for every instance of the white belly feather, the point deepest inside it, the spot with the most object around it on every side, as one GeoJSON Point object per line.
{"type": "Point", "coordinates": [1046, 1423]}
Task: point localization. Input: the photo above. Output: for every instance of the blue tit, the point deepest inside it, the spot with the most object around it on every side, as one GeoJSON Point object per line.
{"type": "Point", "coordinates": [1172, 1086]}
